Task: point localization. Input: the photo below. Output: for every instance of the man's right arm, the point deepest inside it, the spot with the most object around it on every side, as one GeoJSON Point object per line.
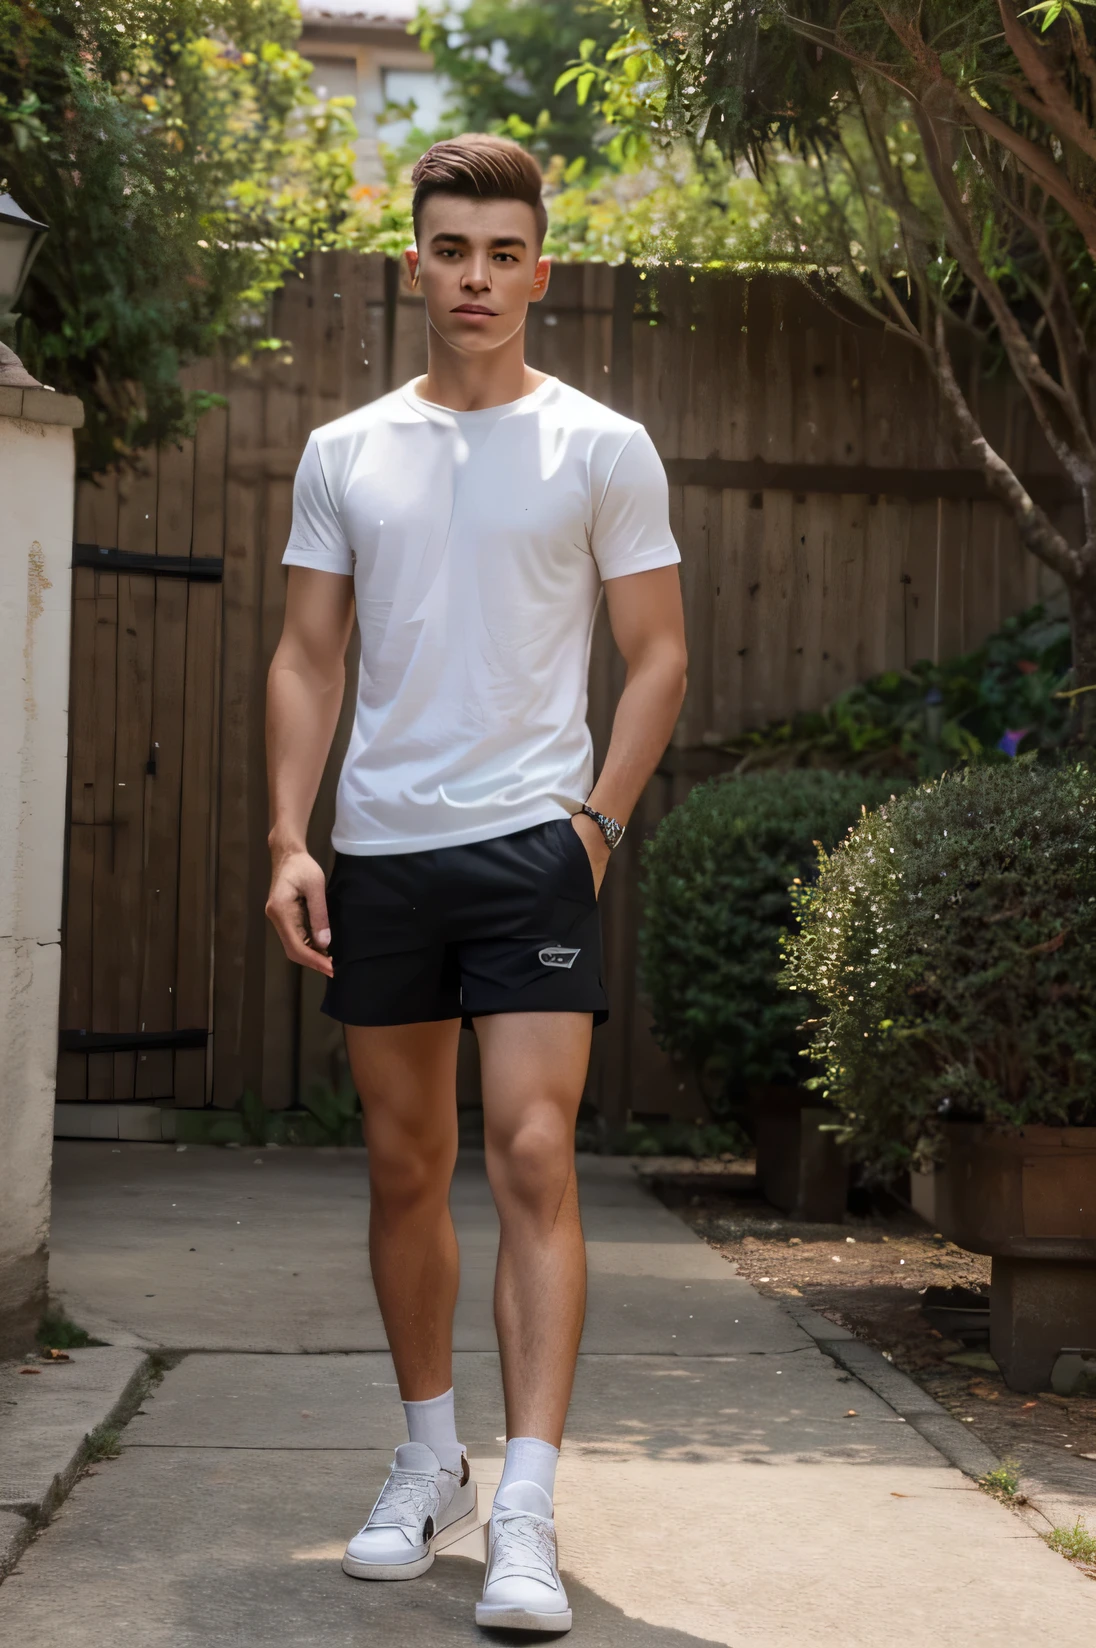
{"type": "Point", "coordinates": [303, 698]}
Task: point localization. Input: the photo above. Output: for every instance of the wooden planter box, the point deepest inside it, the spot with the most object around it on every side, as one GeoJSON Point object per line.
{"type": "Point", "coordinates": [800, 1168]}
{"type": "Point", "coordinates": [1028, 1199]}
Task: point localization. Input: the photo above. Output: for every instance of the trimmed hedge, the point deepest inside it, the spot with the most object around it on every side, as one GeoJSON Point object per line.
{"type": "Point", "coordinates": [951, 943]}
{"type": "Point", "coordinates": [716, 876]}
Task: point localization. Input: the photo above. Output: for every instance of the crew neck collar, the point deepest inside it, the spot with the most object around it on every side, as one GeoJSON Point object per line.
{"type": "Point", "coordinates": [431, 409]}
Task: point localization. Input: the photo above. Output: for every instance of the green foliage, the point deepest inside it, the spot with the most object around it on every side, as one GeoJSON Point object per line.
{"type": "Point", "coordinates": [1003, 1482]}
{"type": "Point", "coordinates": [949, 942]}
{"type": "Point", "coordinates": [715, 902]}
{"type": "Point", "coordinates": [663, 210]}
{"type": "Point", "coordinates": [254, 1118]}
{"type": "Point", "coordinates": [182, 162]}
{"type": "Point", "coordinates": [501, 59]}
{"type": "Point", "coordinates": [57, 1331]}
{"type": "Point", "coordinates": [921, 721]}
{"type": "Point", "coordinates": [611, 197]}
{"type": "Point", "coordinates": [696, 1139]}
{"type": "Point", "coordinates": [935, 167]}
{"type": "Point", "coordinates": [337, 1110]}
{"type": "Point", "coordinates": [104, 1442]}
{"type": "Point", "coordinates": [1076, 1542]}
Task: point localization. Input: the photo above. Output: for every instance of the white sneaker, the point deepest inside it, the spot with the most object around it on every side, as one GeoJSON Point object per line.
{"type": "Point", "coordinates": [421, 1509]}
{"type": "Point", "coordinates": [522, 1589]}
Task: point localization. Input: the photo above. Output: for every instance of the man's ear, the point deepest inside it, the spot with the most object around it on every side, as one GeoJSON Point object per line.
{"type": "Point", "coordinates": [540, 279]}
{"type": "Point", "coordinates": [411, 257]}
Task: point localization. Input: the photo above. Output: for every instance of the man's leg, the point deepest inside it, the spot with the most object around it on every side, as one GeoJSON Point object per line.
{"type": "Point", "coordinates": [406, 1076]}
{"type": "Point", "coordinates": [534, 1069]}
{"type": "Point", "coordinates": [533, 1073]}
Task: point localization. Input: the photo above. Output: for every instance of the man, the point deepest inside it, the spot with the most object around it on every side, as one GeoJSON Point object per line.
{"type": "Point", "coordinates": [471, 520]}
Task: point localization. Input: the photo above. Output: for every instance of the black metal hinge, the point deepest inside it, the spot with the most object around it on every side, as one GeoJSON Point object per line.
{"type": "Point", "coordinates": [201, 568]}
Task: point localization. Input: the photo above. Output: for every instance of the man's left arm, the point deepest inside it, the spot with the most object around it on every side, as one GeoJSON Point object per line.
{"type": "Point", "coordinates": [648, 625]}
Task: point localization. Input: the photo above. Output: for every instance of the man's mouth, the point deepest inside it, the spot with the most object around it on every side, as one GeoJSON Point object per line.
{"type": "Point", "coordinates": [472, 309]}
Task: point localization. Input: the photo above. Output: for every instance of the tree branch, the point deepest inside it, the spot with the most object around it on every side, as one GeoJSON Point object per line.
{"type": "Point", "coordinates": [1036, 161]}
{"type": "Point", "coordinates": [1036, 530]}
{"type": "Point", "coordinates": [1053, 103]}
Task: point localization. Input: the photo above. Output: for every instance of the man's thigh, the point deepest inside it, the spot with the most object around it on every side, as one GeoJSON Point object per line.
{"type": "Point", "coordinates": [406, 1077]}
{"type": "Point", "coordinates": [533, 1065]}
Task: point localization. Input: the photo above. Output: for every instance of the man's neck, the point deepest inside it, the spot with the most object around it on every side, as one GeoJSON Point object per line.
{"type": "Point", "coordinates": [472, 383]}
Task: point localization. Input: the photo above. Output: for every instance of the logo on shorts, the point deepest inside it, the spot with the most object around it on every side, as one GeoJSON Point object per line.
{"type": "Point", "coordinates": [557, 955]}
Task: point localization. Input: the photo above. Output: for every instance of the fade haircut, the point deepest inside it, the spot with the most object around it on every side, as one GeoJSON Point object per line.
{"type": "Point", "coordinates": [483, 167]}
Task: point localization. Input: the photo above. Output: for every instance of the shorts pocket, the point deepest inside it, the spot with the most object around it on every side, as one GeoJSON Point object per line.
{"type": "Point", "coordinates": [374, 910]}
{"type": "Point", "coordinates": [583, 870]}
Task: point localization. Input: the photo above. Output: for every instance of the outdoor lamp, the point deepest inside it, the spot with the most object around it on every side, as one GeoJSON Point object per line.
{"type": "Point", "coordinates": [20, 238]}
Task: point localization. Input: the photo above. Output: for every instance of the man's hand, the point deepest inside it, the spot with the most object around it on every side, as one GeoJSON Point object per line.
{"type": "Point", "coordinates": [298, 908]}
{"type": "Point", "coordinates": [597, 849]}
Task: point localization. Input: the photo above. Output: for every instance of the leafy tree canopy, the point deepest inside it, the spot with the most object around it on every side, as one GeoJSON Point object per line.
{"type": "Point", "coordinates": [501, 59]}
{"type": "Point", "coordinates": [935, 163]}
{"type": "Point", "coordinates": [611, 194]}
{"type": "Point", "coordinates": [182, 162]}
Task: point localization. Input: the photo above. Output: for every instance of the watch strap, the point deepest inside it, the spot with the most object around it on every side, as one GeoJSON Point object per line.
{"type": "Point", "coordinates": [609, 827]}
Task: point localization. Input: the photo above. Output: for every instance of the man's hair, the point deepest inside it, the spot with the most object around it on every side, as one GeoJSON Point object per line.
{"type": "Point", "coordinates": [482, 166]}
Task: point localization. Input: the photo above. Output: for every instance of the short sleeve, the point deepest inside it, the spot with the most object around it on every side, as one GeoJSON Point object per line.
{"type": "Point", "coordinates": [316, 538]}
{"type": "Point", "coordinates": [631, 531]}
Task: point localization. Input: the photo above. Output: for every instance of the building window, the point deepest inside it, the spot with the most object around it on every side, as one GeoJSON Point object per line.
{"type": "Point", "coordinates": [404, 87]}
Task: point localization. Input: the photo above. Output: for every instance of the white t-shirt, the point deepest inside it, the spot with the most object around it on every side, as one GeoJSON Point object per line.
{"type": "Point", "coordinates": [478, 542]}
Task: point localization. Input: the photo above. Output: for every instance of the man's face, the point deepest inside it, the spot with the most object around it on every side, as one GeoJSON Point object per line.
{"type": "Point", "coordinates": [477, 266]}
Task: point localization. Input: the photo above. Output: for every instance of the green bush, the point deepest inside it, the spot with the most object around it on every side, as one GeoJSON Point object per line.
{"type": "Point", "coordinates": [183, 164]}
{"type": "Point", "coordinates": [950, 943]}
{"type": "Point", "coordinates": [715, 897]}
{"type": "Point", "coordinates": [982, 706]}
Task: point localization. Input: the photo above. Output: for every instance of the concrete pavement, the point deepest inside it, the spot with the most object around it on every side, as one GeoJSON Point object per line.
{"type": "Point", "coordinates": [713, 1489]}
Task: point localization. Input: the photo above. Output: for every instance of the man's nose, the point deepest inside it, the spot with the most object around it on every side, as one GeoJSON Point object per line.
{"type": "Point", "coordinates": [477, 274]}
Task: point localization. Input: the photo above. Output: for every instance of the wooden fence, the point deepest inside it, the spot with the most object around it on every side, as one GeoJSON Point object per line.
{"type": "Point", "coordinates": [826, 534]}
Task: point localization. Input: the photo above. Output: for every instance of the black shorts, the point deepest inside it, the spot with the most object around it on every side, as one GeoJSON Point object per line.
{"type": "Point", "coordinates": [508, 925]}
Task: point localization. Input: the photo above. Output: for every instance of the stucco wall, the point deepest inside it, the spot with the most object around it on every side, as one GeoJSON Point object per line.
{"type": "Point", "coordinates": [36, 512]}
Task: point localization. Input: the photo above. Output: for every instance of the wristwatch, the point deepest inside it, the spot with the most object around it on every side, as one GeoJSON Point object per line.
{"type": "Point", "coordinates": [610, 829]}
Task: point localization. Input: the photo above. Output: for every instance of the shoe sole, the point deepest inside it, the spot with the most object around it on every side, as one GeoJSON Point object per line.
{"type": "Point", "coordinates": [502, 1617]}
{"type": "Point", "coordinates": [411, 1570]}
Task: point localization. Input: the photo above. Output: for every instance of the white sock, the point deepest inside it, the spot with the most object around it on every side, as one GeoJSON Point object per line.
{"type": "Point", "coordinates": [434, 1422]}
{"type": "Point", "coordinates": [528, 1459]}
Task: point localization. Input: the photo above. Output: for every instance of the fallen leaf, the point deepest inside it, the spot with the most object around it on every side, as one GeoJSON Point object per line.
{"type": "Point", "coordinates": [900, 1496]}
{"type": "Point", "coordinates": [852, 1414]}
{"type": "Point", "coordinates": [984, 1392]}
{"type": "Point", "coordinates": [1086, 1456]}
{"type": "Point", "coordinates": [1027, 1406]}
{"type": "Point", "coordinates": [57, 1355]}
{"type": "Point", "coordinates": [30, 1370]}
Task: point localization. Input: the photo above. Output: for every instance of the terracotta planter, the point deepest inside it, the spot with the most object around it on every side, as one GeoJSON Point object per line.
{"type": "Point", "coordinates": [1028, 1199]}
{"type": "Point", "coordinates": [800, 1168]}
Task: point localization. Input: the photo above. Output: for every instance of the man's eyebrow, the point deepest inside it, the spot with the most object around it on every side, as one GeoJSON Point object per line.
{"type": "Point", "coordinates": [498, 243]}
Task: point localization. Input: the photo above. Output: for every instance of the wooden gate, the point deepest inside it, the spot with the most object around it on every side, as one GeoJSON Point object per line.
{"type": "Point", "coordinates": [147, 568]}
{"type": "Point", "coordinates": [826, 533]}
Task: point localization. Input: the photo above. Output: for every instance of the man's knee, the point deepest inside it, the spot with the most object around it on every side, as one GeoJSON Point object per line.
{"type": "Point", "coordinates": [405, 1170]}
{"type": "Point", "coordinates": [532, 1165]}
